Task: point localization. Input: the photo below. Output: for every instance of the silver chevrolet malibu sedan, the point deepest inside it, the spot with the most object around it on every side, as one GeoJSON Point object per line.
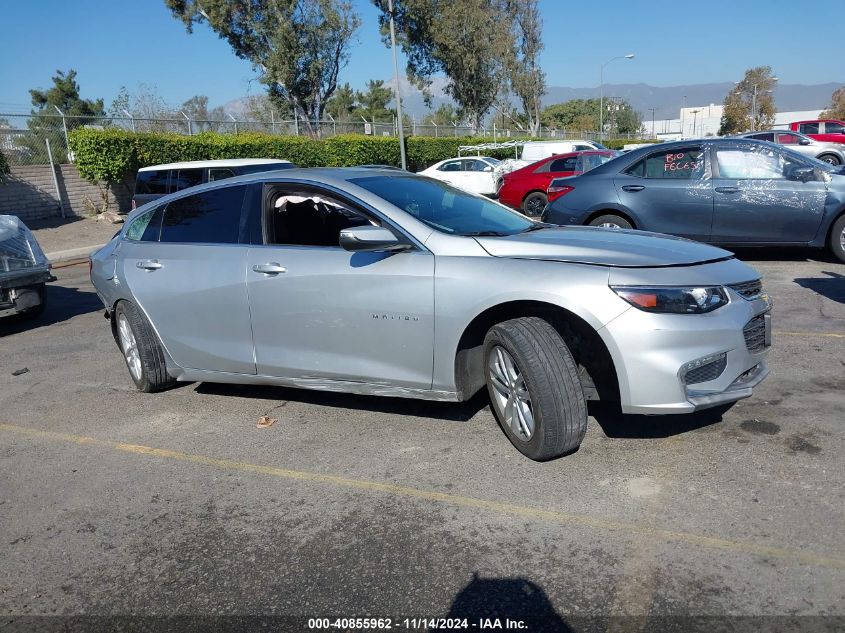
{"type": "Point", "coordinates": [381, 282]}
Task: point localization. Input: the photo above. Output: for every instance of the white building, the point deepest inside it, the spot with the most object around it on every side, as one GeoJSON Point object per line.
{"type": "Point", "coordinates": [699, 121]}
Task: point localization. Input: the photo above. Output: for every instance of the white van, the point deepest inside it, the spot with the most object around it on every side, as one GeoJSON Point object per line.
{"type": "Point", "coordinates": [533, 151]}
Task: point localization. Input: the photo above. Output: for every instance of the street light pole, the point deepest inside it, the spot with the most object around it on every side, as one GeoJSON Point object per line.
{"type": "Point", "coordinates": [653, 129]}
{"type": "Point", "coordinates": [396, 82]}
{"type": "Point", "coordinates": [601, 90]}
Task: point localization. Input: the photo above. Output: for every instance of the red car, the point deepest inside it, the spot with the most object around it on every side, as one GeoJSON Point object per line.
{"type": "Point", "coordinates": [825, 130]}
{"type": "Point", "coordinates": [526, 188]}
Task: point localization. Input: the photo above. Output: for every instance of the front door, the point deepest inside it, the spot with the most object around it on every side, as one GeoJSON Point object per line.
{"type": "Point", "coordinates": [757, 200]}
{"type": "Point", "coordinates": [189, 278]}
{"type": "Point", "coordinates": [669, 192]}
{"type": "Point", "coordinates": [319, 311]}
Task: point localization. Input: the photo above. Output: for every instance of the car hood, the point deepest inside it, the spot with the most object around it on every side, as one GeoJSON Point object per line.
{"type": "Point", "coordinates": [603, 247]}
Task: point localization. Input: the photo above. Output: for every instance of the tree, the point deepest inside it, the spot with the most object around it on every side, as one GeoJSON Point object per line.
{"type": "Point", "coordinates": [202, 119]}
{"type": "Point", "coordinates": [750, 105]}
{"type": "Point", "coordinates": [298, 45]}
{"type": "Point", "coordinates": [527, 80]}
{"type": "Point", "coordinates": [343, 103]}
{"type": "Point", "coordinates": [837, 106]}
{"type": "Point", "coordinates": [581, 115]}
{"type": "Point", "coordinates": [464, 40]}
{"type": "Point", "coordinates": [47, 122]}
{"type": "Point", "coordinates": [445, 114]}
{"type": "Point", "coordinates": [373, 102]}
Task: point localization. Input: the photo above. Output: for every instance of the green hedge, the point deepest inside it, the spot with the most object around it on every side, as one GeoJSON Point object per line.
{"type": "Point", "coordinates": [112, 155]}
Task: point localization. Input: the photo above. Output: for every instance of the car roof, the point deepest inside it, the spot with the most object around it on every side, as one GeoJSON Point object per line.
{"type": "Point", "coordinates": [225, 162]}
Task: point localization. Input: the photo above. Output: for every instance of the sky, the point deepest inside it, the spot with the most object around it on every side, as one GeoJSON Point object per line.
{"type": "Point", "coordinates": [114, 43]}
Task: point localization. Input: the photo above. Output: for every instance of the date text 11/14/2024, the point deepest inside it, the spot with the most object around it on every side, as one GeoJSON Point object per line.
{"type": "Point", "coordinates": [385, 624]}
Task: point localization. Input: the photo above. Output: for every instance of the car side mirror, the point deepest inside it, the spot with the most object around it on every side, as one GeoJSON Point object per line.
{"type": "Point", "coordinates": [370, 238]}
{"type": "Point", "coordinates": [488, 168]}
{"type": "Point", "coordinates": [805, 141]}
{"type": "Point", "coordinates": [802, 174]}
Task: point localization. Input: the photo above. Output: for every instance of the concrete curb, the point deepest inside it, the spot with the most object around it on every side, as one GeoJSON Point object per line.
{"type": "Point", "coordinates": [72, 253]}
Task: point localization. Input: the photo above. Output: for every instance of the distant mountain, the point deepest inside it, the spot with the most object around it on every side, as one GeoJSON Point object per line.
{"type": "Point", "coordinates": [667, 100]}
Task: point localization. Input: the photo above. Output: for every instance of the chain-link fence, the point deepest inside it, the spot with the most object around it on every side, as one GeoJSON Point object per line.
{"type": "Point", "coordinates": [32, 139]}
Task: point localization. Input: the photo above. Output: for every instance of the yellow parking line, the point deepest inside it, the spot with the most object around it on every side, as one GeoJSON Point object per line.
{"type": "Point", "coordinates": [811, 334]}
{"type": "Point", "coordinates": [835, 560]}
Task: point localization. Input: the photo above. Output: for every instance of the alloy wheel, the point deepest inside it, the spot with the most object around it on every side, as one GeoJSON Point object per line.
{"type": "Point", "coordinates": [129, 346]}
{"type": "Point", "coordinates": [510, 393]}
{"type": "Point", "coordinates": [608, 225]}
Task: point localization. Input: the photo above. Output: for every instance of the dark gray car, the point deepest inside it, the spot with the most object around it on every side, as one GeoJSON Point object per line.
{"type": "Point", "coordinates": [736, 192]}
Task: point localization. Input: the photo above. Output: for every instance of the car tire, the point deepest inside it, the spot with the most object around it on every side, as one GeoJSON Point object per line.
{"type": "Point", "coordinates": [837, 238]}
{"type": "Point", "coordinates": [534, 204]}
{"type": "Point", "coordinates": [611, 221]}
{"type": "Point", "coordinates": [830, 159]}
{"type": "Point", "coordinates": [534, 388]}
{"type": "Point", "coordinates": [141, 349]}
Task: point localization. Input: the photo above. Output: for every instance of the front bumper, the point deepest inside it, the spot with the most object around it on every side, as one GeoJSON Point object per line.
{"type": "Point", "coordinates": [650, 351]}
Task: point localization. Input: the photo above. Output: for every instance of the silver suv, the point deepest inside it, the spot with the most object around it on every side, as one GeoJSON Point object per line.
{"type": "Point", "coordinates": [387, 283]}
{"type": "Point", "coordinates": [831, 153]}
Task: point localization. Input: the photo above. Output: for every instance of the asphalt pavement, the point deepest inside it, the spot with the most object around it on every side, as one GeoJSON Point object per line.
{"type": "Point", "coordinates": [118, 503]}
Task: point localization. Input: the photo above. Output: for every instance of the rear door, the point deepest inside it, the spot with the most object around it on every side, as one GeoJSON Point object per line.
{"type": "Point", "coordinates": [755, 199]}
{"type": "Point", "coordinates": [321, 312]}
{"type": "Point", "coordinates": [833, 132]}
{"type": "Point", "coordinates": [669, 191]}
{"type": "Point", "coordinates": [188, 275]}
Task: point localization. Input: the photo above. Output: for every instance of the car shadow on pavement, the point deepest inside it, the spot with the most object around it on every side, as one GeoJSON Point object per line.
{"type": "Point", "coordinates": [616, 424]}
{"type": "Point", "coordinates": [506, 599]}
{"type": "Point", "coordinates": [783, 254]}
{"type": "Point", "coordinates": [454, 411]}
{"type": "Point", "coordinates": [832, 287]}
{"type": "Point", "coordinates": [63, 303]}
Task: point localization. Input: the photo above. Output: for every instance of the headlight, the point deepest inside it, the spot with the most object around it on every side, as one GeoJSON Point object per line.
{"type": "Point", "coordinates": [673, 300]}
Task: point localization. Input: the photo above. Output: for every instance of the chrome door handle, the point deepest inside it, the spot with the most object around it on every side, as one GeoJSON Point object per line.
{"type": "Point", "coordinates": [269, 269]}
{"type": "Point", "coordinates": [633, 188]}
{"type": "Point", "coordinates": [727, 189]}
{"type": "Point", "coordinates": [148, 264]}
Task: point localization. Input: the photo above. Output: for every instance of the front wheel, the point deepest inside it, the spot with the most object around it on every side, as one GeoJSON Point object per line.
{"type": "Point", "coordinates": [534, 388]}
{"type": "Point", "coordinates": [830, 159]}
{"type": "Point", "coordinates": [837, 238]}
{"type": "Point", "coordinates": [611, 221]}
{"type": "Point", "coordinates": [534, 204]}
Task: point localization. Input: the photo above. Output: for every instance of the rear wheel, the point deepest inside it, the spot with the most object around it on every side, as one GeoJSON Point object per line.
{"type": "Point", "coordinates": [142, 352]}
{"type": "Point", "coordinates": [837, 238]}
{"type": "Point", "coordinates": [611, 221]}
{"type": "Point", "coordinates": [830, 159]}
{"type": "Point", "coordinates": [534, 388]}
{"type": "Point", "coordinates": [534, 204]}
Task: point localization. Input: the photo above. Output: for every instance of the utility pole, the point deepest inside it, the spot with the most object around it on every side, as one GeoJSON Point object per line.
{"type": "Point", "coordinates": [396, 82]}
{"type": "Point", "coordinates": [653, 129]}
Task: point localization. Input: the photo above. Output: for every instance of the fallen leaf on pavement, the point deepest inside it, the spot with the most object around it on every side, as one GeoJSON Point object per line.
{"type": "Point", "coordinates": [18, 372]}
{"type": "Point", "coordinates": [265, 421]}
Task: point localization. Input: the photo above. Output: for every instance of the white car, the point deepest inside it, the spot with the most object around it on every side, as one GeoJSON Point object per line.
{"type": "Point", "coordinates": [471, 173]}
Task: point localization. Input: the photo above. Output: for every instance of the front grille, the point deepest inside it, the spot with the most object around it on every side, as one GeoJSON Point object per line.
{"type": "Point", "coordinates": [708, 371]}
{"type": "Point", "coordinates": [755, 333]}
{"type": "Point", "coordinates": [748, 289]}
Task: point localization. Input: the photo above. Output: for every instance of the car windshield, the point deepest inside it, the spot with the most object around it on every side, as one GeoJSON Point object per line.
{"type": "Point", "coordinates": [598, 145]}
{"type": "Point", "coordinates": [446, 208]}
{"type": "Point", "coordinates": [492, 161]}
